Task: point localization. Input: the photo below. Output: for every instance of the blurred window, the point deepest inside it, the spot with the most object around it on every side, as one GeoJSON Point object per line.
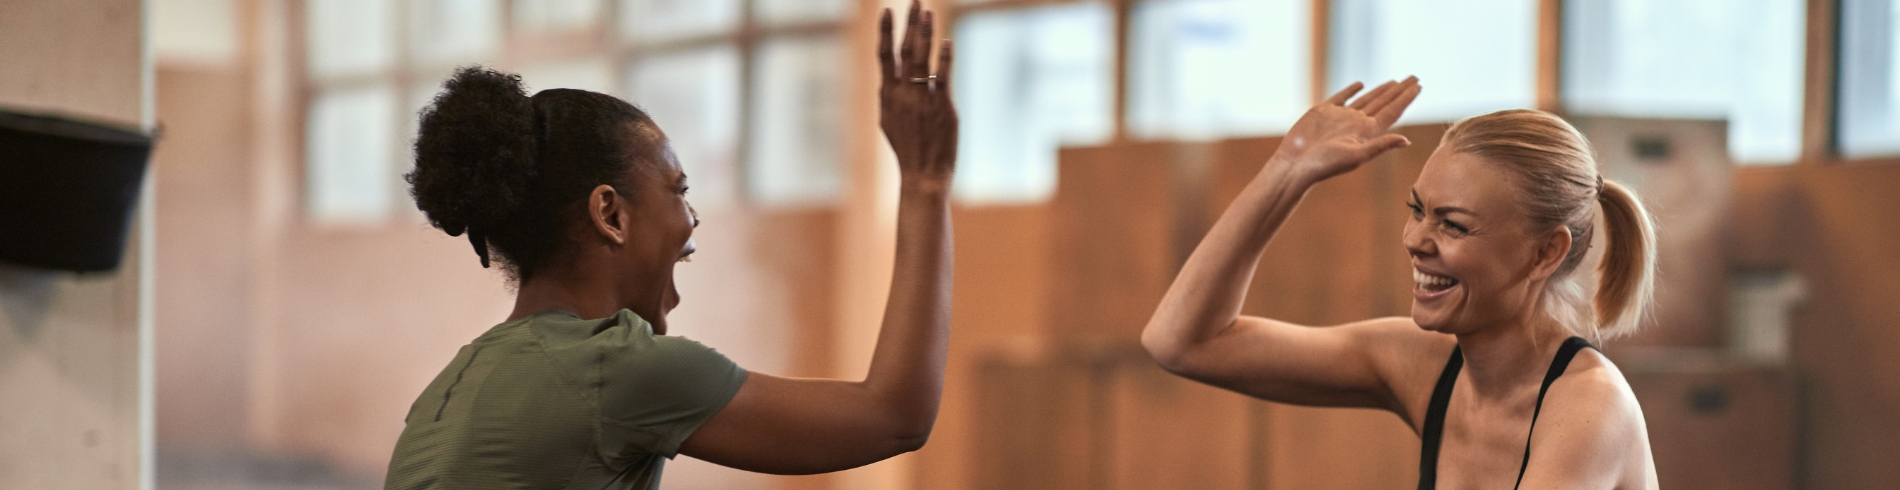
{"type": "Point", "coordinates": [1869, 120]}
{"type": "Point", "coordinates": [556, 15]}
{"type": "Point", "coordinates": [594, 73]}
{"type": "Point", "coordinates": [452, 32]}
{"type": "Point", "coordinates": [795, 137]}
{"type": "Point", "coordinates": [800, 11]}
{"type": "Point", "coordinates": [658, 21]}
{"type": "Point", "coordinates": [749, 125]}
{"type": "Point", "coordinates": [1201, 69]}
{"type": "Point", "coordinates": [351, 144]}
{"type": "Point", "coordinates": [694, 96]}
{"type": "Point", "coordinates": [1740, 60]}
{"type": "Point", "coordinates": [1472, 56]}
{"type": "Point", "coordinates": [348, 37]}
{"type": "Point", "coordinates": [1028, 81]}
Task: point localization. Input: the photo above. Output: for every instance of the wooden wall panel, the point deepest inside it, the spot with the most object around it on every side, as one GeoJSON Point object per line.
{"type": "Point", "coordinates": [1835, 225]}
{"type": "Point", "coordinates": [204, 267]}
{"type": "Point", "coordinates": [1041, 427]}
{"type": "Point", "coordinates": [1719, 428]}
{"type": "Point", "coordinates": [997, 316]}
{"type": "Point", "coordinates": [1113, 245]}
{"type": "Point", "coordinates": [1169, 432]}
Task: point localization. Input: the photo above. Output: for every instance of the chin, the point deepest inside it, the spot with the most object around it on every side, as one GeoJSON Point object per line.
{"type": "Point", "coordinates": [671, 300]}
{"type": "Point", "coordinates": [1428, 321]}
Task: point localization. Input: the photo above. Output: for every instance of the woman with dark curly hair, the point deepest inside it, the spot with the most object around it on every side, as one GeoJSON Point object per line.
{"type": "Point", "coordinates": [577, 195]}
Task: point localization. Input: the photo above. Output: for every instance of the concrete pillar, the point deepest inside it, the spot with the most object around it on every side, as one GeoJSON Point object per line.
{"type": "Point", "coordinates": [75, 377]}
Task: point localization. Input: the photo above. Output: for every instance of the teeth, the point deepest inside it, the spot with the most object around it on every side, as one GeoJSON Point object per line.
{"type": "Point", "coordinates": [1430, 280]}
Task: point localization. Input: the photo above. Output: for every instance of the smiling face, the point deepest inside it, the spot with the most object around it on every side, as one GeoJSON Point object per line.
{"type": "Point", "coordinates": [1474, 264]}
{"type": "Point", "coordinates": [661, 226]}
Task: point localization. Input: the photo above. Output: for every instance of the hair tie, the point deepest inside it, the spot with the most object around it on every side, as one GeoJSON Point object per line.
{"type": "Point", "coordinates": [481, 246]}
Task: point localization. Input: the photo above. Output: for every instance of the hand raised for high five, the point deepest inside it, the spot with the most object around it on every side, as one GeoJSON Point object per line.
{"type": "Point", "coordinates": [1335, 137]}
{"type": "Point", "coordinates": [915, 110]}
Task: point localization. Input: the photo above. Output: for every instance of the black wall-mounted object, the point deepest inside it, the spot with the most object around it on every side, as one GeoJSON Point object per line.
{"type": "Point", "coordinates": [67, 190]}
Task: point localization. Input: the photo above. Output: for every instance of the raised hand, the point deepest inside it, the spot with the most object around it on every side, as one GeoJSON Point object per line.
{"type": "Point", "coordinates": [915, 110]}
{"type": "Point", "coordinates": [1335, 137]}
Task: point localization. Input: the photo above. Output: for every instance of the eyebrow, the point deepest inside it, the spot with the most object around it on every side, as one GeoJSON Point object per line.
{"type": "Point", "coordinates": [1442, 209]}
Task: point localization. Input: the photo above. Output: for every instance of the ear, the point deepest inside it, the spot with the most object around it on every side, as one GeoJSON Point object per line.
{"type": "Point", "coordinates": [606, 211]}
{"type": "Point", "coordinates": [1551, 250]}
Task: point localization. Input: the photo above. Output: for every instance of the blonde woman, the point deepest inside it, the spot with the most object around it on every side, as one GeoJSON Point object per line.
{"type": "Point", "coordinates": [1492, 369]}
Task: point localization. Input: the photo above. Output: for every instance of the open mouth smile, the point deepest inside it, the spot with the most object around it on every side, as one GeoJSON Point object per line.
{"type": "Point", "coordinates": [1429, 286]}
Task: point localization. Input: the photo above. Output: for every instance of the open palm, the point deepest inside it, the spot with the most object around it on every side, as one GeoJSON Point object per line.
{"type": "Point", "coordinates": [1336, 137]}
{"type": "Point", "coordinates": [915, 108]}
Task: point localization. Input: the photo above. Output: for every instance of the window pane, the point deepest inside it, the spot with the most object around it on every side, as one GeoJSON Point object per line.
{"type": "Point", "coordinates": [664, 20]}
{"type": "Point", "coordinates": [1870, 79]}
{"type": "Point", "coordinates": [592, 74]}
{"type": "Point", "coordinates": [453, 31]}
{"type": "Point", "coordinates": [555, 15]}
{"type": "Point", "coordinates": [793, 147]}
{"type": "Point", "coordinates": [795, 11]}
{"type": "Point", "coordinates": [694, 96]}
{"type": "Point", "coordinates": [347, 165]}
{"type": "Point", "coordinates": [347, 37]}
{"type": "Point", "coordinates": [1740, 60]}
{"type": "Point", "coordinates": [1213, 68]}
{"type": "Point", "coordinates": [1472, 56]}
{"type": "Point", "coordinates": [1027, 82]}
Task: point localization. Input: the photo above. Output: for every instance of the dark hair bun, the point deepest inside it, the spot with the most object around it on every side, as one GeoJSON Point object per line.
{"type": "Point", "coordinates": [475, 150]}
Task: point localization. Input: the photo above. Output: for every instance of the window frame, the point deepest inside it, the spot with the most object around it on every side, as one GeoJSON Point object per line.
{"type": "Point", "coordinates": [516, 47]}
{"type": "Point", "coordinates": [1819, 113]}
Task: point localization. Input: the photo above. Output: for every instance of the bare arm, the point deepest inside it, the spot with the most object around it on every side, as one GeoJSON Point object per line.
{"type": "Point", "coordinates": [1197, 331]}
{"type": "Point", "coordinates": [800, 426]}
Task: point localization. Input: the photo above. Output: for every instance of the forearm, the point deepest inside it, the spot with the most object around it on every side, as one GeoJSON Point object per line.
{"type": "Point", "coordinates": [906, 372]}
{"type": "Point", "coordinates": [1206, 296]}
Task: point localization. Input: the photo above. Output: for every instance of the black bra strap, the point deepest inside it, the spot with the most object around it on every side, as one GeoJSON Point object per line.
{"type": "Point", "coordinates": [1434, 428]}
{"type": "Point", "coordinates": [1557, 366]}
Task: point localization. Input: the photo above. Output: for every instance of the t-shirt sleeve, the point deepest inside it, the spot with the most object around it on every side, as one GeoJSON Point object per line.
{"type": "Point", "coordinates": [656, 393]}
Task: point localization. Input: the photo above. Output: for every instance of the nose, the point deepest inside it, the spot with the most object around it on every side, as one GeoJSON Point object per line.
{"type": "Point", "coordinates": [695, 213]}
{"type": "Point", "coordinates": [1415, 241]}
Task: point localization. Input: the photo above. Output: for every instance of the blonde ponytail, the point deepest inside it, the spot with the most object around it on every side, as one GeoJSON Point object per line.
{"type": "Point", "coordinates": [1626, 284]}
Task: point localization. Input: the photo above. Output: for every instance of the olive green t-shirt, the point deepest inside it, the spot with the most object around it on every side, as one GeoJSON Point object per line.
{"type": "Point", "coordinates": [554, 401]}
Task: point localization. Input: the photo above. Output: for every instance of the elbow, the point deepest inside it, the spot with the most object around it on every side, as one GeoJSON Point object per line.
{"type": "Point", "coordinates": [912, 433]}
{"type": "Point", "coordinates": [910, 441]}
{"type": "Point", "coordinates": [907, 430]}
{"type": "Point", "coordinates": [1167, 352]}
{"type": "Point", "coordinates": [1174, 353]}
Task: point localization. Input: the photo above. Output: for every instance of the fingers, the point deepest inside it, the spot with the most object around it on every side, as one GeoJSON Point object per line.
{"type": "Point", "coordinates": [1389, 114]}
{"type": "Point", "coordinates": [908, 61]}
{"type": "Point", "coordinates": [1345, 94]}
{"type": "Point", "coordinates": [886, 65]}
{"type": "Point", "coordinates": [1374, 95]}
{"type": "Point", "coordinates": [1375, 105]}
{"type": "Point", "coordinates": [943, 69]}
{"type": "Point", "coordinates": [921, 64]}
{"type": "Point", "coordinates": [1381, 144]}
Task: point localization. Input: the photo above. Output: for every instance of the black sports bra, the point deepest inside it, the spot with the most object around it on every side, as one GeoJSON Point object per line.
{"type": "Point", "coordinates": [1441, 397]}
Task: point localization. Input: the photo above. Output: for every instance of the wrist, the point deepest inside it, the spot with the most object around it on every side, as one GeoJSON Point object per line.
{"type": "Point", "coordinates": [934, 187]}
{"type": "Point", "coordinates": [1284, 171]}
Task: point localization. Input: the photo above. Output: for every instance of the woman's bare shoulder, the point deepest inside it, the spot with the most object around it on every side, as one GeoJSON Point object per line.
{"type": "Point", "coordinates": [1590, 430]}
